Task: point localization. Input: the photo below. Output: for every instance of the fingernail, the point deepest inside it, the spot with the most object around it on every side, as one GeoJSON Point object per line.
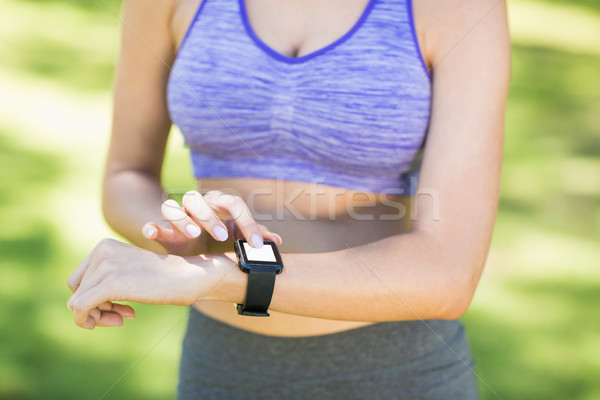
{"type": "Point", "coordinates": [257, 242]}
{"type": "Point", "coordinates": [129, 317]}
{"type": "Point", "coordinates": [150, 232]}
{"type": "Point", "coordinates": [68, 306]}
{"type": "Point", "coordinates": [192, 230]}
{"type": "Point", "coordinates": [220, 233]}
{"type": "Point", "coordinates": [278, 237]}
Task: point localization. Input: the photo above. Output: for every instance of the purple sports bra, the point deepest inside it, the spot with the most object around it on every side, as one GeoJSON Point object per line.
{"type": "Point", "coordinates": [353, 114]}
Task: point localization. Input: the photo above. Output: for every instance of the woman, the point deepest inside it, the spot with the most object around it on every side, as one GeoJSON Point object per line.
{"type": "Point", "coordinates": [305, 120]}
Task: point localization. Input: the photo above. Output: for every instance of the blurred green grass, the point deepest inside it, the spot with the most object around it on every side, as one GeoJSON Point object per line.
{"type": "Point", "coordinates": [533, 323]}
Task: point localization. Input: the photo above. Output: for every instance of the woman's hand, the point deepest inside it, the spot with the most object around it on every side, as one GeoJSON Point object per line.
{"type": "Point", "coordinates": [116, 271]}
{"type": "Point", "coordinates": [221, 215]}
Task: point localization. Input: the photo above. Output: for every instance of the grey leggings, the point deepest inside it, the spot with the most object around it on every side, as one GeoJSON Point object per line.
{"type": "Point", "coordinates": [391, 360]}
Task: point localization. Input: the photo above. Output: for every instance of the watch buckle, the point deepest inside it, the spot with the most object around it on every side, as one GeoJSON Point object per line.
{"type": "Point", "coordinates": [241, 311]}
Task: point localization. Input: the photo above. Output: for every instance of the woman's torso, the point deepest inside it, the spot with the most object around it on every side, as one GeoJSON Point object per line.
{"type": "Point", "coordinates": [310, 217]}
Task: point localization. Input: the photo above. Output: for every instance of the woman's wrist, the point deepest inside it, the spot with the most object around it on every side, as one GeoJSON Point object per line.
{"type": "Point", "coordinates": [217, 278]}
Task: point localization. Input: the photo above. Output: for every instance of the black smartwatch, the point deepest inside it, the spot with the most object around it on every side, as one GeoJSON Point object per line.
{"type": "Point", "coordinates": [261, 265]}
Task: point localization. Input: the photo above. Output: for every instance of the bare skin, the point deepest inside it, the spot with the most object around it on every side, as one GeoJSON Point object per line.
{"type": "Point", "coordinates": [417, 266]}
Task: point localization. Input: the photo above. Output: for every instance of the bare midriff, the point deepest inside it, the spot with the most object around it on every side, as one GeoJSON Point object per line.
{"type": "Point", "coordinates": [310, 218]}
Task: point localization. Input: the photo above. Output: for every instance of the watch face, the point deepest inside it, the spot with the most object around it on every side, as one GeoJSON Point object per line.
{"type": "Point", "coordinates": [264, 254]}
{"type": "Point", "coordinates": [249, 257]}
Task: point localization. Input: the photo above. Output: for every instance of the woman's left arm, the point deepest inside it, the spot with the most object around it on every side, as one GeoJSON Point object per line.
{"type": "Point", "coordinates": [432, 272]}
{"type": "Point", "coordinates": [429, 273]}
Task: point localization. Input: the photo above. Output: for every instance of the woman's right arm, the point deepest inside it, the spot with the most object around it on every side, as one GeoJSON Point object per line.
{"type": "Point", "coordinates": [132, 192]}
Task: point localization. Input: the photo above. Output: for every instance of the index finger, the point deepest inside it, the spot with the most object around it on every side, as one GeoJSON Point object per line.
{"type": "Point", "coordinates": [75, 279]}
{"type": "Point", "coordinates": [83, 303]}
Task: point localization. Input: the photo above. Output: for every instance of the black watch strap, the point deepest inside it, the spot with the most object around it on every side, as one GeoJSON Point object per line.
{"type": "Point", "coordinates": [261, 281]}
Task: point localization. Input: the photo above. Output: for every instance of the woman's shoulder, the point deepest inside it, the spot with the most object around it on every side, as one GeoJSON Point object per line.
{"type": "Point", "coordinates": [182, 13]}
{"type": "Point", "coordinates": [156, 10]}
{"type": "Point", "coordinates": [442, 24]}
{"type": "Point", "coordinates": [149, 23]}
